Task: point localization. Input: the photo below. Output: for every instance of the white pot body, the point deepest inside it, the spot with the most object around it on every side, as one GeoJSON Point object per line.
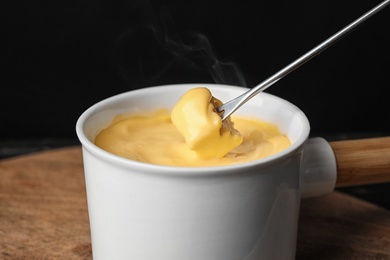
{"type": "Point", "coordinates": [245, 211]}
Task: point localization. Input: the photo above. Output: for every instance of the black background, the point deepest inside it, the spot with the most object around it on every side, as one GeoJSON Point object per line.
{"type": "Point", "coordinates": [60, 57]}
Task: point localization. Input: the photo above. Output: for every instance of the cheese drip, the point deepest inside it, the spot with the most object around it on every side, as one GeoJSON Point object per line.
{"type": "Point", "coordinates": [196, 119]}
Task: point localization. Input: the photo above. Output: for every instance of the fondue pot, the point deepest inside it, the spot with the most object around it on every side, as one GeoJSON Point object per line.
{"type": "Point", "coordinates": [244, 211]}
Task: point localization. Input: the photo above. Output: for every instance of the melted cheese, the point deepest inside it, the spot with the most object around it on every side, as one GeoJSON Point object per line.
{"type": "Point", "coordinates": [195, 118]}
{"type": "Point", "coordinates": [193, 134]}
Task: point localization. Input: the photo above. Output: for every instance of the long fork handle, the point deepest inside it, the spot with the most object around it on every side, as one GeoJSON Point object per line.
{"type": "Point", "coordinates": [229, 107]}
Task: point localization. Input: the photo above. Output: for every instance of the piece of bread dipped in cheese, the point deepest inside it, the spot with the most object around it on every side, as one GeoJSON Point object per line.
{"type": "Point", "coordinates": [197, 120]}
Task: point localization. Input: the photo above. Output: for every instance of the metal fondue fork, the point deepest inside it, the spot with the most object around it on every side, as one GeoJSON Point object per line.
{"type": "Point", "coordinates": [231, 106]}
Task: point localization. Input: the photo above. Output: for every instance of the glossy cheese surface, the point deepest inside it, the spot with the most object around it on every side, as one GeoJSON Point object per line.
{"type": "Point", "coordinates": [192, 135]}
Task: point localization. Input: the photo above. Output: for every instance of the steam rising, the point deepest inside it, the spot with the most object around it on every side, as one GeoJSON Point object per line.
{"type": "Point", "coordinates": [153, 52]}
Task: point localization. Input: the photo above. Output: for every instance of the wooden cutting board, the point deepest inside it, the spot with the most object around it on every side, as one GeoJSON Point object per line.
{"type": "Point", "coordinates": [43, 215]}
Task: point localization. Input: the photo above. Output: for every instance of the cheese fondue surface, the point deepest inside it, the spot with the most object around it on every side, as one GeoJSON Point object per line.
{"type": "Point", "coordinates": [192, 135]}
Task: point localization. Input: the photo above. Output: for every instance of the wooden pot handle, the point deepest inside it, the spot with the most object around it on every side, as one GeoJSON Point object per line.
{"type": "Point", "coordinates": [363, 161]}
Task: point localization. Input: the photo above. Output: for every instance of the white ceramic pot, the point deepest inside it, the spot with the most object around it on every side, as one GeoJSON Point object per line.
{"type": "Point", "coordinates": [245, 211]}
